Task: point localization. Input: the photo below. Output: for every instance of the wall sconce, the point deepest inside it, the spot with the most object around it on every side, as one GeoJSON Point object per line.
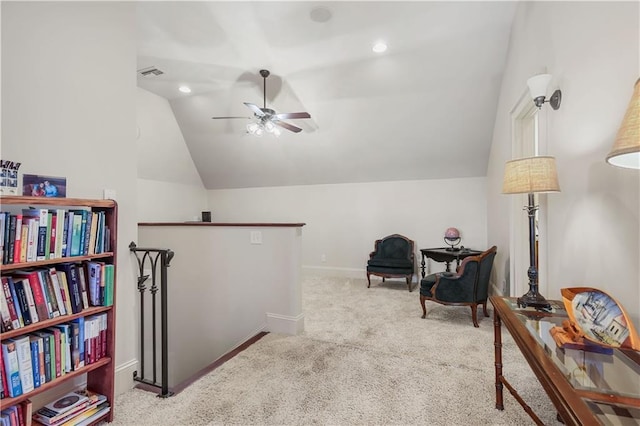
{"type": "Point", "coordinates": [538, 85]}
{"type": "Point", "coordinates": [626, 148]}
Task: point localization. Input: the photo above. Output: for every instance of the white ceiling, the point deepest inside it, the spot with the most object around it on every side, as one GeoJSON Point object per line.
{"type": "Point", "coordinates": [424, 109]}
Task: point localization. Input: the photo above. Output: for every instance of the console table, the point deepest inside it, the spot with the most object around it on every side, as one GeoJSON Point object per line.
{"type": "Point", "coordinates": [443, 255]}
{"type": "Point", "coordinates": [586, 388]}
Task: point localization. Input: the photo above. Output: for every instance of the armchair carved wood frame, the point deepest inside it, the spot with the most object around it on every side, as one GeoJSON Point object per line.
{"type": "Point", "coordinates": [469, 286]}
{"type": "Point", "coordinates": [393, 257]}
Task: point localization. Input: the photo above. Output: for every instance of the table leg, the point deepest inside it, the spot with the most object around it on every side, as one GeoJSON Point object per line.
{"type": "Point", "coordinates": [497, 343]}
{"type": "Point", "coordinates": [448, 263]}
{"type": "Point", "coordinates": [423, 263]}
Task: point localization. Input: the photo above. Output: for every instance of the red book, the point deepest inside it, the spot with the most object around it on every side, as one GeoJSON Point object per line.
{"type": "Point", "coordinates": [36, 288]}
{"type": "Point", "coordinates": [52, 245]}
{"type": "Point", "coordinates": [18, 239]}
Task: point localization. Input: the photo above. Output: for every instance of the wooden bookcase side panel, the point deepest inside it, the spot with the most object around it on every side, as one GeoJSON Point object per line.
{"type": "Point", "coordinates": [100, 375]}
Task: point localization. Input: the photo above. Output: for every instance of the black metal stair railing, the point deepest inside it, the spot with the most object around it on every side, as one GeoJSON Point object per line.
{"type": "Point", "coordinates": [148, 261]}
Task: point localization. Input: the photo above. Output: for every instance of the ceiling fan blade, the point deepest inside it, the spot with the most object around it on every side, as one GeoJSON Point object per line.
{"type": "Point", "coordinates": [289, 115]}
{"type": "Point", "coordinates": [288, 126]}
{"type": "Point", "coordinates": [219, 118]}
{"type": "Point", "coordinates": [256, 110]}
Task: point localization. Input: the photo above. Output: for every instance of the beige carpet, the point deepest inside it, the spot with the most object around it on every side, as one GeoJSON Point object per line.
{"type": "Point", "coordinates": [366, 358]}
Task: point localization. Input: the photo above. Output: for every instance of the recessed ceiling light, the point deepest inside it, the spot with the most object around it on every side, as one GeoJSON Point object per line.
{"type": "Point", "coordinates": [379, 47]}
{"type": "Point", "coordinates": [320, 14]}
{"type": "Point", "coordinates": [184, 89]}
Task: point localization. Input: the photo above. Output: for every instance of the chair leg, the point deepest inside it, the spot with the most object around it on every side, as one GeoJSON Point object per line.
{"type": "Point", "coordinates": [474, 315]}
{"type": "Point", "coordinates": [409, 283]}
{"type": "Point", "coordinates": [424, 309]}
{"type": "Point", "coordinates": [484, 308]}
{"type": "Point", "coordinates": [369, 279]}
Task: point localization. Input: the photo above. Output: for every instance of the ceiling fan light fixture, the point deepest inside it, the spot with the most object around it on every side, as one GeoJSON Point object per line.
{"type": "Point", "coordinates": [379, 47]}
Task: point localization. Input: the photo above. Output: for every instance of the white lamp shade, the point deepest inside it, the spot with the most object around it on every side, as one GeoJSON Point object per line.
{"type": "Point", "coordinates": [538, 85]}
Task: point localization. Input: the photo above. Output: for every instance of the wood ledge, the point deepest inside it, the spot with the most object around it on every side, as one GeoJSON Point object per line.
{"type": "Point", "coordinates": [194, 223]}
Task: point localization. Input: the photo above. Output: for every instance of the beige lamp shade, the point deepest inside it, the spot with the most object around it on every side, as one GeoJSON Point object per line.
{"type": "Point", "coordinates": [626, 148]}
{"type": "Point", "coordinates": [532, 174]}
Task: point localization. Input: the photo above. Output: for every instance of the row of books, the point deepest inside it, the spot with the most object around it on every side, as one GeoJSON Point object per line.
{"type": "Point", "coordinates": [41, 234]}
{"type": "Point", "coordinates": [19, 414]}
{"type": "Point", "coordinates": [34, 295]}
{"type": "Point", "coordinates": [77, 408]}
{"type": "Point", "coordinates": [31, 360]}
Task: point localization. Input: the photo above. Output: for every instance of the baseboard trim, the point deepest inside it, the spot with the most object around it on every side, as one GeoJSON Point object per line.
{"type": "Point", "coordinates": [124, 376]}
{"type": "Point", "coordinates": [351, 273]}
{"type": "Point", "coordinates": [333, 271]}
{"type": "Point", "coordinates": [285, 324]}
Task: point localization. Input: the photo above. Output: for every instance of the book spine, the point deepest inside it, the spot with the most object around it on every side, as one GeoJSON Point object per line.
{"type": "Point", "coordinates": [53, 217]}
{"type": "Point", "coordinates": [69, 232]}
{"type": "Point", "coordinates": [24, 242]}
{"type": "Point", "coordinates": [51, 293]}
{"type": "Point", "coordinates": [11, 367]}
{"type": "Point", "coordinates": [41, 365]}
{"type": "Point", "coordinates": [79, 324]}
{"type": "Point", "coordinates": [41, 247]}
{"type": "Point", "coordinates": [26, 285]}
{"type": "Point", "coordinates": [38, 297]}
{"type": "Point", "coordinates": [3, 218]}
{"type": "Point", "coordinates": [81, 270]}
{"type": "Point", "coordinates": [13, 313]}
{"type": "Point", "coordinates": [76, 235]}
{"type": "Point", "coordinates": [5, 315]}
{"type": "Point", "coordinates": [56, 290]}
{"type": "Point", "coordinates": [23, 349]}
{"type": "Point", "coordinates": [35, 362]}
{"type": "Point", "coordinates": [49, 372]}
{"type": "Point", "coordinates": [87, 232]}
{"type": "Point", "coordinates": [32, 240]}
{"type": "Point", "coordinates": [18, 242]}
{"type": "Point", "coordinates": [4, 389]}
{"type": "Point", "coordinates": [76, 294]}
{"type": "Point", "coordinates": [22, 301]}
{"type": "Point", "coordinates": [16, 301]}
{"type": "Point", "coordinates": [13, 223]}
{"type": "Point", "coordinates": [47, 247]}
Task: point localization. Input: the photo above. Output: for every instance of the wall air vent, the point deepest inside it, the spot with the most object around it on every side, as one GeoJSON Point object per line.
{"type": "Point", "coordinates": [150, 72]}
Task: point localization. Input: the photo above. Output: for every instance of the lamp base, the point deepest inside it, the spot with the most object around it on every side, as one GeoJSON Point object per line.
{"type": "Point", "coordinates": [535, 300]}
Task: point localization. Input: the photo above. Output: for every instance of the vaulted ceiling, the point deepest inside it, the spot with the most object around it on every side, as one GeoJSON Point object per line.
{"type": "Point", "coordinates": [424, 109]}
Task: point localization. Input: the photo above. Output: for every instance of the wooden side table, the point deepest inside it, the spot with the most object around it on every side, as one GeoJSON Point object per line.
{"type": "Point", "coordinates": [587, 388]}
{"type": "Point", "coordinates": [443, 255]}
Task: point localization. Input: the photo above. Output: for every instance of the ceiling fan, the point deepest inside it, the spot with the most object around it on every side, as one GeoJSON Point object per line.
{"type": "Point", "coordinates": [267, 118]}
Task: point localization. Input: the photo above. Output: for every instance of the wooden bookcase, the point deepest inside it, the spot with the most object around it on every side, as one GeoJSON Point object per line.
{"type": "Point", "coordinates": [100, 375]}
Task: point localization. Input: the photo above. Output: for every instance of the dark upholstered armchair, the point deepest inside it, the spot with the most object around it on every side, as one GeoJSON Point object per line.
{"type": "Point", "coordinates": [392, 257]}
{"type": "Point", "coordinates": [468, 286]}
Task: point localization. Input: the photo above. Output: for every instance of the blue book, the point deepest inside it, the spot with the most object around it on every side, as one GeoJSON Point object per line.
{"type": "Point", "coordinates": [11, 368]}
{"type": "Point", "coordinates": [77, 340]}
{"type": "Point", "coordinates": [16, 301]}
{"type": "Point", "coordinates": [35, 362]}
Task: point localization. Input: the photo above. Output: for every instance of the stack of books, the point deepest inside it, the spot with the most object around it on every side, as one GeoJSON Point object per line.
{"type": "Point", "coordinates": [77, 408]}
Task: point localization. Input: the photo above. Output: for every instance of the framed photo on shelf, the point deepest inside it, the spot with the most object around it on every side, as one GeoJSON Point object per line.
{"type": "Point", "coordinates": [44, 186]}
{"type": "Point", "coordinates": [9, 177]}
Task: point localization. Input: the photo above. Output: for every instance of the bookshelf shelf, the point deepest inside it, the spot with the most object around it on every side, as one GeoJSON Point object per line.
{"type": "Point", "coordinates": [99, 371]}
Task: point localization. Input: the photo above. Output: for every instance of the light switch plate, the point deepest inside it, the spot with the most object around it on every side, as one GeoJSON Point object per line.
{"type": "Point", "coordinates": [256, 237]}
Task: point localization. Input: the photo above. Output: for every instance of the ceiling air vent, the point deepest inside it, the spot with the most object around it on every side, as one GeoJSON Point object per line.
{"type": "Point", "coordinates": [150, 72]}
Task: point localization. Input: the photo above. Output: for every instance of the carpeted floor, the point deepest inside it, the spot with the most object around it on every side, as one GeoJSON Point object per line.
{"type": "Point", "coordinates": [366, 358]}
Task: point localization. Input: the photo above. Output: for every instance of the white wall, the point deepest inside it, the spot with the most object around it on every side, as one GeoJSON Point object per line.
{"type": "Point", "coordinates": [224, 290]}
{"type": "Point", "coordinates": [592, 50]}
{"type": "Point", "coordinates": [169, 186]}
{"type": "Point", "coordinates": [344, 220]}
{"type": "Point", "coordinates": [68, 109]}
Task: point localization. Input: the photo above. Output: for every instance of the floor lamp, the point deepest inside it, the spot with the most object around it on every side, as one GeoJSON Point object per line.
{"type": "Point", "coordinates": [528, 176]}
